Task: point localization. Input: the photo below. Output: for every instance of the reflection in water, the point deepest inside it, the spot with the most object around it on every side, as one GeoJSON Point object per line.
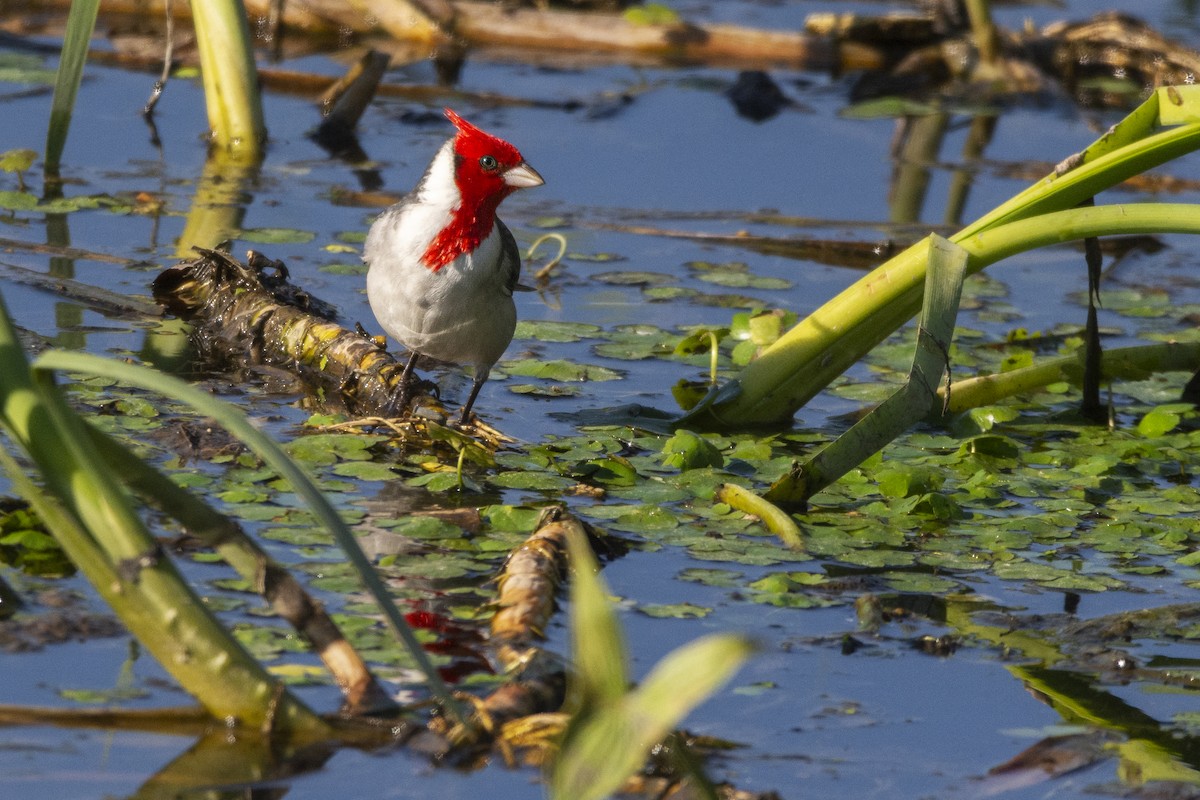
{"type": "Point", "coordinates": [68, 317]}
{"type": "Point", "coordinates": [219, 205]}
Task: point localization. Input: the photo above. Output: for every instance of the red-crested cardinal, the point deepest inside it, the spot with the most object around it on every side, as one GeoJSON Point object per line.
{"type": "Point", "coordinates": [442, 266]}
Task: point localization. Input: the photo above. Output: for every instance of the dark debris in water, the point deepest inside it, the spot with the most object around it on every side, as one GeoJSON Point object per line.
{"type": "Point", "coordinates": [52, 617]}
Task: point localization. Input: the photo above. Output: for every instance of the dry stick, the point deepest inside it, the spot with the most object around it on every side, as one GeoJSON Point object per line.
{"type": "Point", "coordinates": [183, 721]}
{"type": "Point", "coordinates": [168, 54]}
{"type": "Point", "coordinates": [481, 23]}
{"type": "Point", "coordinates": [310, 84]}
{"type": "Point", "coordinates": [67, 252]}
{"type": "Point", "coordinates": [343, 103]}
{"type": "Point", "coordinates": [831, 252]}
{"type": "Point", "coordinates": [487, 23]}
{"type": "Point", "coordinates": [528, 584]}
{"type": "Point", "coordinates": [1101, 45]}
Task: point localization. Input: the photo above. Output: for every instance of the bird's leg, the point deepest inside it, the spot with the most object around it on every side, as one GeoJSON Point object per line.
{"type": "Point", "coordinates": [476, 386]}
{"type": "Point", "coordinates": [400, 398]}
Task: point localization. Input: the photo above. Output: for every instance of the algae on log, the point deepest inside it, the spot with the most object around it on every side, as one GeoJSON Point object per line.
{"type": "Point", "coordinates": [251, 313]}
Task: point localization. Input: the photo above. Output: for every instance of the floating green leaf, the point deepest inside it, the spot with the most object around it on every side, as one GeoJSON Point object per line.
{"type": "Point", "coordinates": [674, 610]}
{"type": "Point", "coordinates": [276, 236]}
{"type": "Point", "coordinates": [631, 278]}
{"type": "Point", "coordinates": [556, 331]}
{"type": "Point", "coordinates": [687, 450]}
{"type": "Point", "coordinates": [545, 390]}
{"type": "Point", "coordinates": [1162, 420]}
{"type": "Point", "coordinates": [559, 370]}
{"type": "Point", "coordinates": [17, 160]}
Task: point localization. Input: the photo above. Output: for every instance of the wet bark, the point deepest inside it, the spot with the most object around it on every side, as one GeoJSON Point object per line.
{"type": "Point", "coordinates": [250, 313]}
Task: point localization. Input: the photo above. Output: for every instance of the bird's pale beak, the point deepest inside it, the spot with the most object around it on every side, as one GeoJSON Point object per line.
{"type": "Point", "coordinates": [523, 176]}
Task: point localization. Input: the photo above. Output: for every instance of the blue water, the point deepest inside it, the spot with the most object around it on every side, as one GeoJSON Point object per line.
{"type": "Point", "coordinates": [886, 722]}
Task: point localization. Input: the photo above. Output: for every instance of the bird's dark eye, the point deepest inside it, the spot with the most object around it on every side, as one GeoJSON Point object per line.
{"type": "Point", "coordinates": [488, 163]}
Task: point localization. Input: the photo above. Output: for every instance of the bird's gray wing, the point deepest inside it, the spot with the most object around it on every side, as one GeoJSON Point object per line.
{"type": "Point", "coordinates": [510, 259]}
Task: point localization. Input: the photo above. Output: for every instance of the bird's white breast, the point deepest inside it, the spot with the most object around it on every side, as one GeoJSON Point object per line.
{"type": "Point", "coordinates": [463, 312]}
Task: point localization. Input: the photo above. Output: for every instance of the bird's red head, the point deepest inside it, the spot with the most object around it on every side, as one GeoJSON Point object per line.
{"type": "Point", "coordinates": [487, 169]}
{"type": "Point", "coordinates": [481, 160]}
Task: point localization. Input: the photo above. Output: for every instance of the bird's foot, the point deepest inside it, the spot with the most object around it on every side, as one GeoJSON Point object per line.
{"type": "Point", "coordinates": [408, 391]}
{"type": "Point", "coordinates": [398, 401]}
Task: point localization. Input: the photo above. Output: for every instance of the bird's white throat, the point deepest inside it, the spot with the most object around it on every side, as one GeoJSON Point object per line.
{"type": "Point", "coordinates": [438, 188]}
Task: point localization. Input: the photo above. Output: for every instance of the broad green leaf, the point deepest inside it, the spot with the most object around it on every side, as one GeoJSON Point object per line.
{"type": "Point", "coordinates": [674, 610]}
{"type": "Point", "coordinates": [18, 201]}
{"type": "Point", "coordinates": [17, 160]}
{"type": "Point", "coordinates": [1162, 420]}
{"type": "Point", "coordinates": [687, 450]}
{"type": "Point", "coordinates": [559, 370]}
{"type": "Point", "coordinates": [556, 331]}
{"type": "Point", "coordinates": [651, 14]}
{"type": "Point", "coordinates": [276, 236]}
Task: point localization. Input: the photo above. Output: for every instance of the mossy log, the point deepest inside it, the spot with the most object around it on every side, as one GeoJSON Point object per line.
{"type": "Point", "coordinates": [251, 313]}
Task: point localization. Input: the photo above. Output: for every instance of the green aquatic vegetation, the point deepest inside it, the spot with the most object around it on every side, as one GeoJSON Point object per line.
{"type": "Point", "coordinates": [673, 610]}
{"type": "Point", "coordinates": [636, 343]}
{"type": "Point", "coordinates": [25, 68]}
{"type": "Point", "coordinates": [666, 294]}
{"type": "Point", "coordinates": [735, 275]}
{"type": "Point", "coordinates": [723, 578]}
{"type": "Point", "coordinates": [559, 370]}
{"type": "Point", "coordinates": [1016, 489]}
{"type": "Point", "coordinates": [326, 449]}
{"type": "Point", "coordinates": [545, 390]}
{"type": "Point", "coordinates": [830, 340]}
{"type": "Point", "coordinates": [354, 268]}
{"type": "Point", "coordinates": [633, 278]}
{"type": "Point", "coordinates": [26, 544]}
{"type": "Point", "coordinates": [687, 450]}
{"type": "Point", "coordinates": [556, 331]}
{"type": "Point", "coordinates": [275, 236]}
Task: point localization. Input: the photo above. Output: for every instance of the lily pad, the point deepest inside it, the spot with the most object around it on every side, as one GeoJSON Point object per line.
{"type": "Point", "coordinates": [687, 450]}
{"type": "Point", "coordinates": [546, 390]}
{"type": "Point", "coordinates": [674, 610]}
{"type": "Point", "coordinates": [556, 331]}
{"type": "Point", "coordinates": [276, 236]}
{"type": "Point", "coordinates": [633, 278]}
{"type": "Point", "coordinates": [559, 370]}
